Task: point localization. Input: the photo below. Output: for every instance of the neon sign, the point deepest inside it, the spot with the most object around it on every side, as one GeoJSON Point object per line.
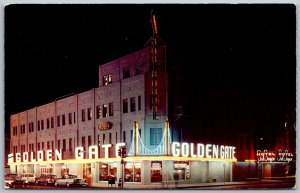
{"type": "Point", "coordinates": [202, 151]}
{"type": "Point", "coordinates": [49, 155]}
{"type": "Point", "coordinates": [105, 126]}
{"type": "Point", "coordinates": [270, 156]}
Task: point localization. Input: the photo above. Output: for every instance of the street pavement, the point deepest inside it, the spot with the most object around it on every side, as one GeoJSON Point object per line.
{"type": "Point", "coordinates": [172, 185]}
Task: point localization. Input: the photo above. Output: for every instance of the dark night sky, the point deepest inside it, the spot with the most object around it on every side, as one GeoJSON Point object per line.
{"type": "Point", "coordinates": [238, 62]}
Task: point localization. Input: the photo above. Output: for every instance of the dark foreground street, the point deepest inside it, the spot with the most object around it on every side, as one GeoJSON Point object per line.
{"type": "Point", "coordinates": [267, 184]}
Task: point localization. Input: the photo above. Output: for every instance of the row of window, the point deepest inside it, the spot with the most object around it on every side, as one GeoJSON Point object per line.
{"type": "Point", "coordinates": [102, 111]}
{"type": "Point", "coordinates": [132, 104]}
{"type": "Point", "coordinates": [107, 79]}
{"type": "Point", "coordinates": [155, 139]}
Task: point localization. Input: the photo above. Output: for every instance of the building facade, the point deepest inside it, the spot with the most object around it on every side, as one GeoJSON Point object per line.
{"type": "Point", "coordinates": [81, 134]}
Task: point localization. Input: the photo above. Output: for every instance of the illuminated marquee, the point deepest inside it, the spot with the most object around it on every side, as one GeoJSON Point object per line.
{"type": "Point", "coordinates": [270, 156]}
{"type": "Point", "coordinates": [202, 151]}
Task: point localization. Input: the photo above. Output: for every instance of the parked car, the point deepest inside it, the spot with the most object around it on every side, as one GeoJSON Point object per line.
{"type": "Point", "coordinates": [69, 179]}
{"type": "Point", "coordinates": [46, 179]}
{"type": "Point", "coordinates": [19, 183]}
{"type": "Point", "coordinates": [28, 178]}
{"type": "Point", "coordinates": [9, 178]}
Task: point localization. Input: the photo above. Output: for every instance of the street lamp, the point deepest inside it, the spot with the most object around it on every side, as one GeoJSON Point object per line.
{"type": "Point", "coordinates": [122, 153]}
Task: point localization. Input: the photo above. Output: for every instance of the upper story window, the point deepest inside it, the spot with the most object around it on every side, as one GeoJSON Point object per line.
{"type": "Point", "coordinates": [126, 73]}
{"type": "Point", "coordinates": [132, 104]}
{"type": "Point", "coordinates": [15, 130]}
{"type": "Point", "coordinates": [83, 115]}
{"type": "Point", "coordinates": [52, 122]}
{"type": "Point", "coordinates": [98, 111]}
{"type": "Point", "coordinates": [104, 110]}
{"type": "Point", "coordinates": [63, 117]}
{"type": "Point", "coordinates": [39, 125]}
{"type": "Point", "coordinates": [31, 127]}
{"type": "Point", "coordinates": [155, 136]}
{"type": "Point", "coordinates": [139, 102]}
{"type": "Point", "coordinates": [48, 123]}
{"type": "Point", "coordinates": [125, 106]}
{"type": "Point", "coordinates": [42, 124]}
{"type": "Point", "coordinates": [107, 79]}
{"type": "Point", "coordinates": [22, 129]}
{"type": "Point", "coordinates": [70, 118]}
{"type": "Point", "coordinates": [58, 120]}
{"type": "Point", "coordinates": [111, 109]}
{"type": "Point", "coordinates": [90, 113]}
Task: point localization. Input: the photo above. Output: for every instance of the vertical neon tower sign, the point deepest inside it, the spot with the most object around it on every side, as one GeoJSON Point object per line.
{"type": "Point", "coordinates": [154, 66]}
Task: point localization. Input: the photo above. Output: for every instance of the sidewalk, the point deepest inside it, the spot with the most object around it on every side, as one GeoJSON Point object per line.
{"type": "Point", "coordinates": [171, 185]}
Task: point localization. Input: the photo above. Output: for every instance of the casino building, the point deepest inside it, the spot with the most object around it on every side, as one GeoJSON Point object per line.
{"type": "Point", "coordinates": [81, 134]}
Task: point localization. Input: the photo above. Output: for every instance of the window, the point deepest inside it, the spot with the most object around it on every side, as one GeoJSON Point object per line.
{"type": "Point", "coordinates": [63, 117]}
{"type": "Point", "coordinates": [29, 127]}
{"type": "Point", "coordinates": [98, 111]}
{"type": "Point", "coordinates": [22, 129]}
{"type": "Point", "coordinates": [139, 102]}
{"type": "Point", "coordinates": [103, 138]}
{"type": "Point", "coordinates": [124, 136]}
{"type": "Point", "coordinates": [15, 149]}
{"type": "Point", "coordinates": [52, 144]}
{"type": "Point", "coordinates": [107, 79]}
{"type": "Point", "coordinates": [156, 171]}
{"type": "Point", "coordinates": [155, 136]}
{"type": "Point", "coordinates": [132, 104]}
{"type": "Point", "coordinates": [83, 141]}
{"type": "Point", "coordinates": [42, 124]}
{"type": "Point", "coordinates": [74, 117]}
{"type": "Point", "coordinates": [83, 115]}
{"type": "Point", "coordinates": [70, 143]}
{"type": "Point", "coordinates": [111, 109]}
{"type": "Point", "coordinates": [125, 106]}
{"type": "Point", "coordinates": [109, 138]}
{"type": "Point", "coordinates": [48, 144]}
{"type": "Point", "coordinates": [58, 120]}
{"type": "Point", "coordinates": [89, 141]}
{"type": "Point", "coordinates": [38, 146]}
{"type": "Point", "coordinates": [64, 145]}
{"type": "Point", "coordinates": [43, 146]}
{"type": "Point", "coordinates": [106, 170]}
{"type": "Point", "coordinates": [116, 137]}
{"type": "Point", "coordinates": [52, 122]}
{"type": "Point", "coordinates": [48, 123]}
{"type": "Point", "coordinates": [90, 115]}
{"type": "Point", "coordinates": [39, 125]}
{"type": "Point", "coordinates": [132, 172]}
{"type": "Point", "coordinates": [70, 118]}
{"type": "Point", "coordinates": [58, 144]}
{"type": "Point", "coordinates": [15, 130]}
{"type": "Point", "coordinates": [104, 110]}
{"type": "Point", "coordinates": [126, 73]}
